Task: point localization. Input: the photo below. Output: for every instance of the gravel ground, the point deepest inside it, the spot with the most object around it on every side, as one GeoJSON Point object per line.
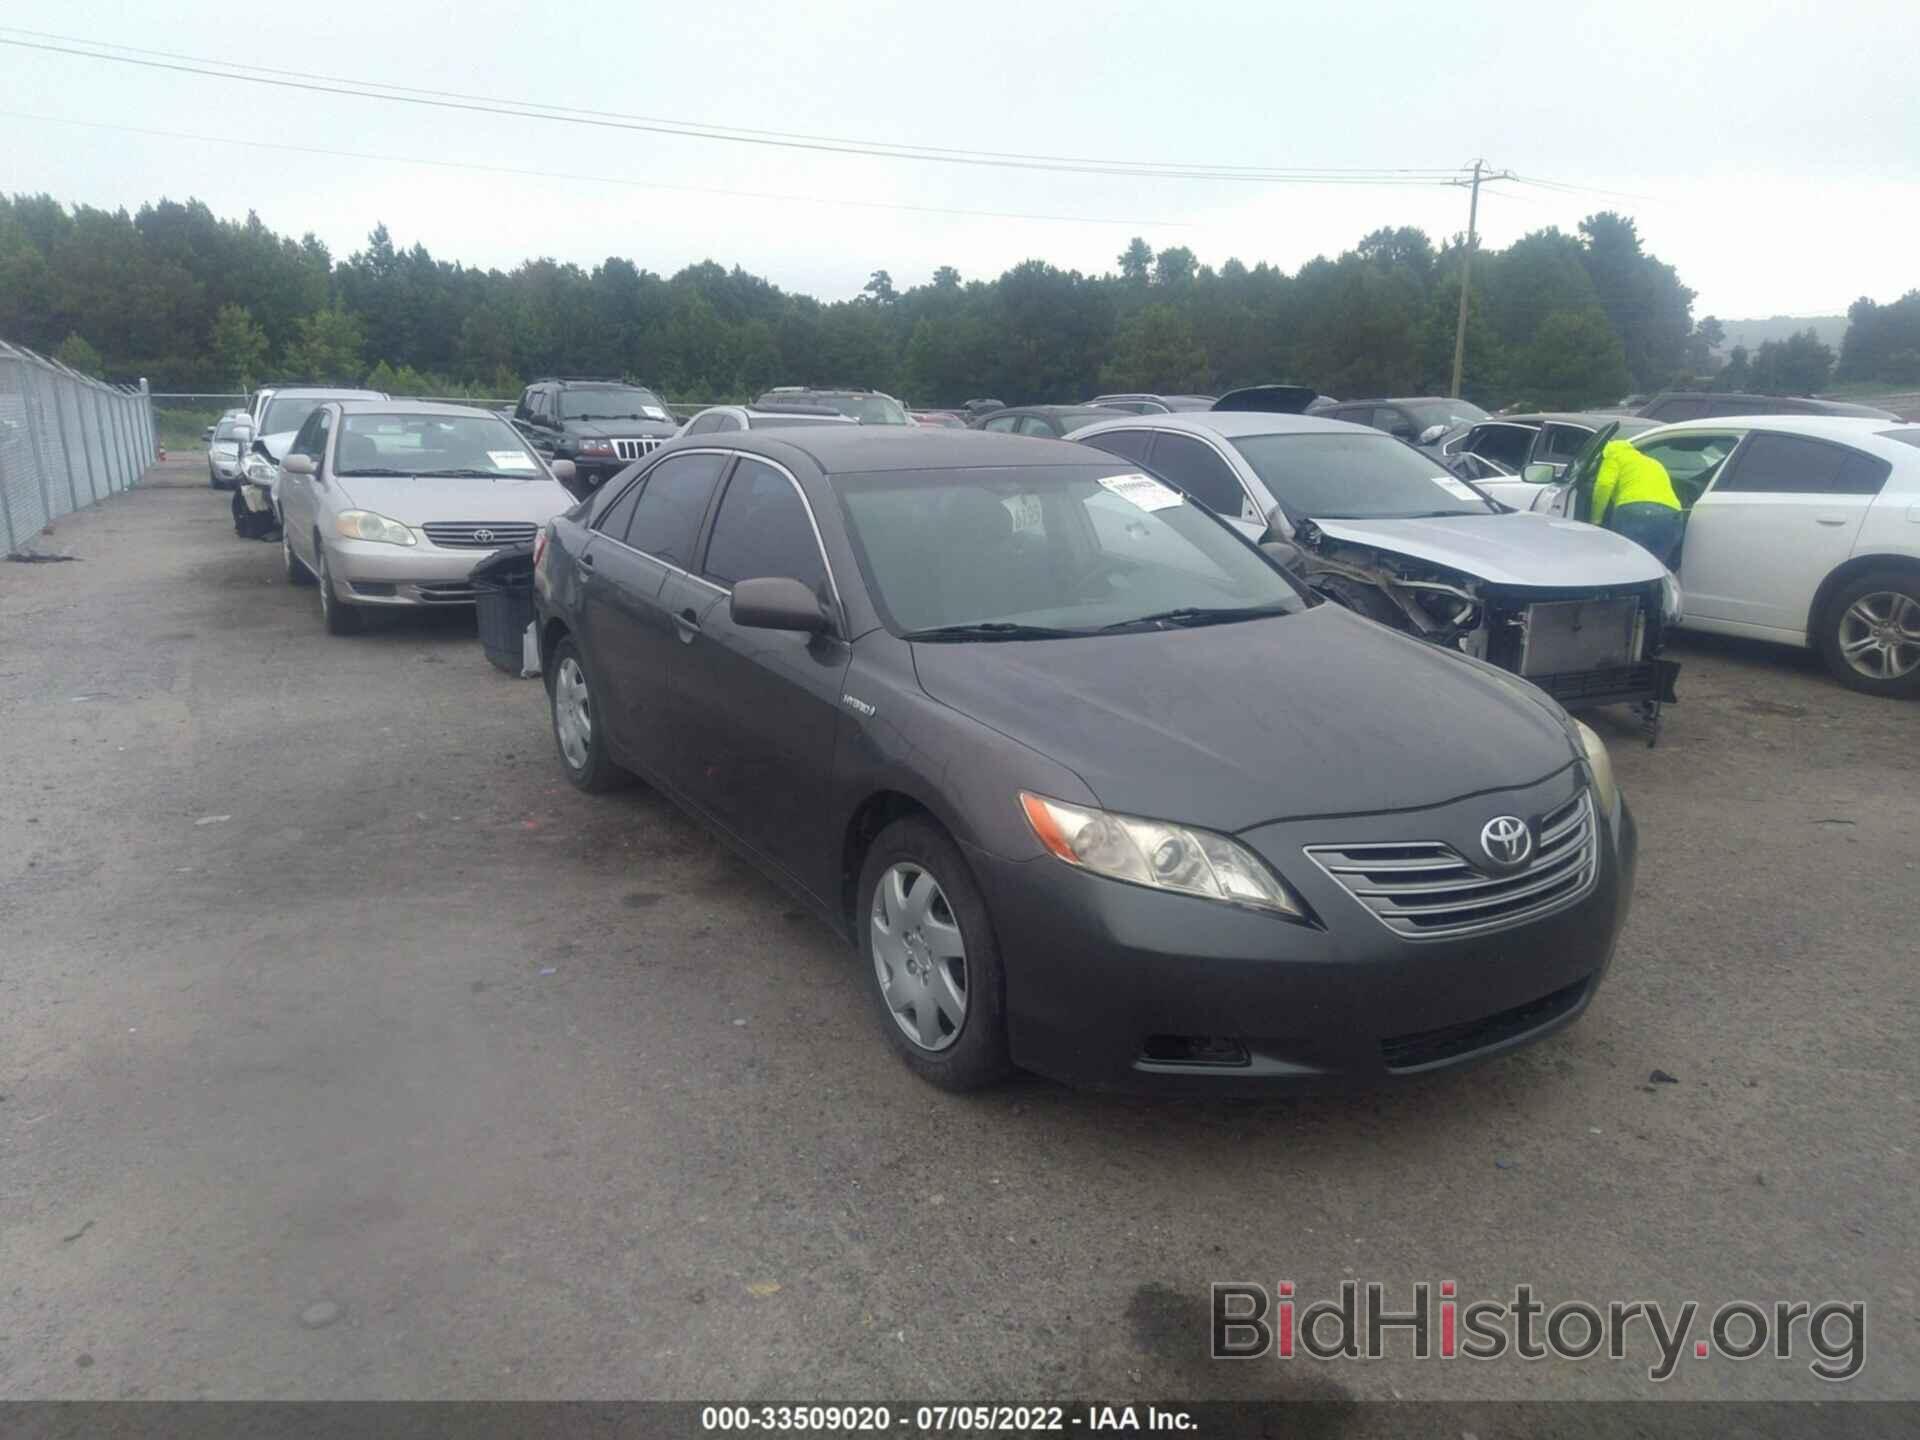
{"type": "Point", "coordinates": [346, 1051]}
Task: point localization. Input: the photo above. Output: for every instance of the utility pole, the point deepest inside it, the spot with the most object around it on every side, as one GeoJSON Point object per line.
{"type": "Point", "coordinates": [1466, 268]}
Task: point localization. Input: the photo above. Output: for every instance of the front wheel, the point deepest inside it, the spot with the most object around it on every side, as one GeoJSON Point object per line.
{"type": "Point", "coordinates": [929, 948]}
{"type": "Point", "coordinates": [341, 618]}
{"type": "Point", "coordinates": [1870, 635]}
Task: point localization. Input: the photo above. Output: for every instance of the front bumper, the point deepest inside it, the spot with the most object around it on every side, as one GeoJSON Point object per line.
{"type": "Point", "coordinates": [368, 573]}
{"type": "Point", "coordinates": [1112, 986]}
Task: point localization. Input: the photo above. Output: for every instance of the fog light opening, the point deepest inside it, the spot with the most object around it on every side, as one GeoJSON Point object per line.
{"type": "Point", "coordinates": [1194, 1050]}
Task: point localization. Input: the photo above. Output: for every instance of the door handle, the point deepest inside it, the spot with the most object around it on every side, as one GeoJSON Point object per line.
{"type": "Point", "coordinates": [1829, 519]}
{"type": "Point", "coordinates": [688, 625]}
{"type": "Point", "coordinates": [586, 561]}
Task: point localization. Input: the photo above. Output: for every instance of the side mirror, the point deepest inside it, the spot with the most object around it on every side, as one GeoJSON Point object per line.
{"type": "Point", "coordinates": [776, 603]}
{"type": "Point", "coordinates": [297, 465]}
{"type": "Point", "coordinates": [1432, 434]}
{"type": "Point", "coordinates": [563, 471]}
{"type": "Point", "coordinates": [1540, 473]}
{"type": "Point", "coordinates": [207, 434]}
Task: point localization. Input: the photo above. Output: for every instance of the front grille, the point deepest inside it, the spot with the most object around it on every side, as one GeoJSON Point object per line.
{"type": "Point", "coordinates": [479, 534]}
{"type": "Point", "coordinates": [635, 449]}
{"type": "Point", "coordinates": [1420, 1048]}
{"type": "Point", "coordinates": [1425, 890]}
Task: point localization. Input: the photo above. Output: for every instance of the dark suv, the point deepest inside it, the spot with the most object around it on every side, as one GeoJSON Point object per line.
{"type": "Point", "coordinates": [1672, 405]}
{"type": "Point", "coordinates": [602, 426]}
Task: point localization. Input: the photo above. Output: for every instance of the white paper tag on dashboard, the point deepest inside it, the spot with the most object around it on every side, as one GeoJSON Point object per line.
{"type": "Point", "coordinates": [510, 459]}
{"type": "Point", "coordinates": [1142, 491]}
{"type": "Point", "coordinates": [1459, 489]}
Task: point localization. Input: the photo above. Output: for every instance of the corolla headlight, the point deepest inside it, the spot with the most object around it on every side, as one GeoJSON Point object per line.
{"type": "Point", "coordinates": [260, 470]}
{"type": "Point", "coordinates": [1157, 855]}
{"type": "Point", "coordinates": [1673, 600]}
{"type": "Point", "coordinates": [1600, 763]}
{"type": "Point", "coordinates": [365, 525]}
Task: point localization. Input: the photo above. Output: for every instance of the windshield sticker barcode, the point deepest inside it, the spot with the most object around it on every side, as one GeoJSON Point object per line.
{"type": "Point", "coordinates": [1141, 490]}
{"type": "Point", "coordinates": [510, 459]}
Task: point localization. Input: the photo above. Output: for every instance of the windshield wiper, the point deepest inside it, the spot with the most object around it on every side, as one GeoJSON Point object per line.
{"type": "Point", "coordinates": [1202, 615]}
{"type": "Point", "coordinates": [372, 470]}
{"type": "Point", "coordinates": [991, 630]}
{"type": "Point", "coordinates": [458, 473]}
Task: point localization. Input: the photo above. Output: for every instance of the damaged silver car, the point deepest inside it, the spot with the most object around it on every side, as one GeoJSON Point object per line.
{"type": "Point", "coordinates": [1377, 526]}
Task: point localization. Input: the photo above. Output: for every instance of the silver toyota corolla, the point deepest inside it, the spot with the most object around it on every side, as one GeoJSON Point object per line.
{"type": "Point", "coordinates": [393, 502]}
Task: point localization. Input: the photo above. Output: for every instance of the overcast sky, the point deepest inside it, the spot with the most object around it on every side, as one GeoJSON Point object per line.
{"type": "Point", "coordinates": [1777, 147]}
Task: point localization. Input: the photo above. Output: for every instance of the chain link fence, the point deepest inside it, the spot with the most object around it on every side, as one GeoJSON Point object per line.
{"type": "Point", "coordinates": [65, 441]}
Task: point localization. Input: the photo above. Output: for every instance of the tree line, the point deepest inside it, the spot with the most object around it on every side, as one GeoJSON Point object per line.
{"type": "Point", "coordinates": [196, 302]}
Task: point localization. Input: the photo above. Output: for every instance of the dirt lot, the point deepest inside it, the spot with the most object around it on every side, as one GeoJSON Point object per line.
{"type": "Point", "coordinates": [344, 1050]}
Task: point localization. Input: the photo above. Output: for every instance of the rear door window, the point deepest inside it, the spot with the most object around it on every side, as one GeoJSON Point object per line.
{"type": "Point", "coordinates": [1002, 424]}
{"type": "Point", "coordinates": [667, 516]}
{"type": "Point", "coordinates": [1034, 425]}
{"type": "Point", "coordinates": [1507, 444]}
{"type": "Point", "coordinates": [1794, 465]}
{"type": "Point", "coordinates": [1562, 443]}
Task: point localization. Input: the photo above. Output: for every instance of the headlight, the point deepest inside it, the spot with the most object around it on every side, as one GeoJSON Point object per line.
{"type": "Point", "coordinates": [1672, 600]}
{"type": "Point", "coordinates": [1160, 856]}
{"type": "Point", "coordinates": [259, 470]}
{"type": "Point", "coordinates": [595, 447]}
{"type": "Point", "coordinates": [365, 525]}
{"type": "Point", "coordinates": [1600, 763]}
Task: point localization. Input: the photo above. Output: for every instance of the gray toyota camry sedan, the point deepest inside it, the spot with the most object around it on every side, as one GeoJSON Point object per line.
{"type": "Point", "coordinates": [1091, 783]}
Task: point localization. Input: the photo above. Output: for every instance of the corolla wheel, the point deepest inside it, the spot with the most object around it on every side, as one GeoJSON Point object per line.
{"type": "Point", "coordinates": [919, 956]}
{"type": "Point", "coordinates": [572, 713]}
{"type": "Point", "coordinates": [1880, 635]}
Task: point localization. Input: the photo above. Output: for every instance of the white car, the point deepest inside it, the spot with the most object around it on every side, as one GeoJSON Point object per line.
{"type": "Point", "coordinates": [1801, 529]}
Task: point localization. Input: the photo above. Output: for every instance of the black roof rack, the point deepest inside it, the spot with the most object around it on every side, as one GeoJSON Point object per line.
{"type": "Point", "coordinates": [588, 380]}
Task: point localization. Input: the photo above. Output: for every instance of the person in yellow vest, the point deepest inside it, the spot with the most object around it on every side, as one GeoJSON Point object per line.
{"type": "Point", "coordinates": [1633, 496]}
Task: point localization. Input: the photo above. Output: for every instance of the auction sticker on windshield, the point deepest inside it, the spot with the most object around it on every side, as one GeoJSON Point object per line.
{"type": "Point", "coordinates": [653, 412]}
{"type": "Point", "coordinates": [1142, 491]}
{"type": "Point", "coordinates": [510, 459]}
{"type": "Point", "coordinates": [1459, 489]}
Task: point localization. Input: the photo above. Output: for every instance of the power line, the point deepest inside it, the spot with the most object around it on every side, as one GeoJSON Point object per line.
{"type": "Point", "coordinates": [444, 100]}
{"type": "Point", "coordinates": [724, 131]}
{"type": "Point", "coordinates": [595, 179]}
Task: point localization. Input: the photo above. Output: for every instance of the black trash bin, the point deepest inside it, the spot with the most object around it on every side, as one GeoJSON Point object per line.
{"type": "Point", "coordinates": [503, 583]}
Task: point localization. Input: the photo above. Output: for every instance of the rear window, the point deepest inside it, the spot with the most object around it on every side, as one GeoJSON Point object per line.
{"type": "Point", "coordinates": [1909, 436]}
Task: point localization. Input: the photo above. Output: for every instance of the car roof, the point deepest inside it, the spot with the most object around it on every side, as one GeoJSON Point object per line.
{"type": "Point", "coordinates": [1858, 430]}
{"type": "Point", "coordinates": [327, 392]}
{"type": "Point", "coordinates": [1232, 423]}
{"type": "Point", "coordinates": [856, 449]}
{"type": "Point", "coordinates": [1592, 419]}
{"type": "Point", "coordinates": [414, 407]}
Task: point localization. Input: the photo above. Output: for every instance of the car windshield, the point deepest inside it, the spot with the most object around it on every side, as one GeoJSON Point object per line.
{"type": "Point", "coordinates": [414, 445]}
{"type": "Point", "coordinates": [612, 402]}
{"type": "Point", "coordinates": [1427, 413]}
{"type": "Point", "coordinates": [867, 409]}
{"type": "Point", "coordinates": [233, 430]}
{"type": "Point", "coordinates": [1048, 550]}
{"type": "Point", "coordinates": [1355, 477]}
{"type": "Point", "coordinates": [289, 413]}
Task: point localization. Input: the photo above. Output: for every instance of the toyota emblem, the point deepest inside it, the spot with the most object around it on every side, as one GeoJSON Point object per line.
{"type": "Point", "coordinates": [1506, 839]}
{"type": "Point", "coordinates": [484, 536]}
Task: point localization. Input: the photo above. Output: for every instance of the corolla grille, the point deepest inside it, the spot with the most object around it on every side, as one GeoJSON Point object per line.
{"type": "Point", "coordinates": [1425, 890]}
{"type": "Point", "coordinates": [479, 534]}
{"type": "Point", "coordinates": [634, 449]}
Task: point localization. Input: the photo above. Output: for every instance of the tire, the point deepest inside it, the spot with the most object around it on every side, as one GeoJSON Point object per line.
{"type": "Point", "coordinates": [1869, 634]}
{"type": "Point", "coordinates": [908, 972]}
{"type": "Point", "coordinates": [213, 479]}
{"type": "Point", "coordinates": [297, 571]}
{"type": "Point", "coordinates": [340, 617]}
{"type": "Point", "coordinates": [578, 736]}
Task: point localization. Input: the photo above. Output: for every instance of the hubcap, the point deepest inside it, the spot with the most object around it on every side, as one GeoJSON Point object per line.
{"type": "Point", "coordinates": [572, 712]}
{"type": "Point", "coordinates": [1880, 635]}
{"type": "Point", "coordinates": [919, 956]}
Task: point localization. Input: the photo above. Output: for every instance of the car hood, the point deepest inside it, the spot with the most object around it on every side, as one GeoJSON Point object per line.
{"type": "Point", "coordinates": [277, 443]}
{"type": "Point", "coordinates": [614, 429]}
{"type": "Point", "coordinates": [416, 502]}
{"type": "Point", "coordinates": [1232, 726]}
{"type": "Point", "coordinates": [1532, 551]}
